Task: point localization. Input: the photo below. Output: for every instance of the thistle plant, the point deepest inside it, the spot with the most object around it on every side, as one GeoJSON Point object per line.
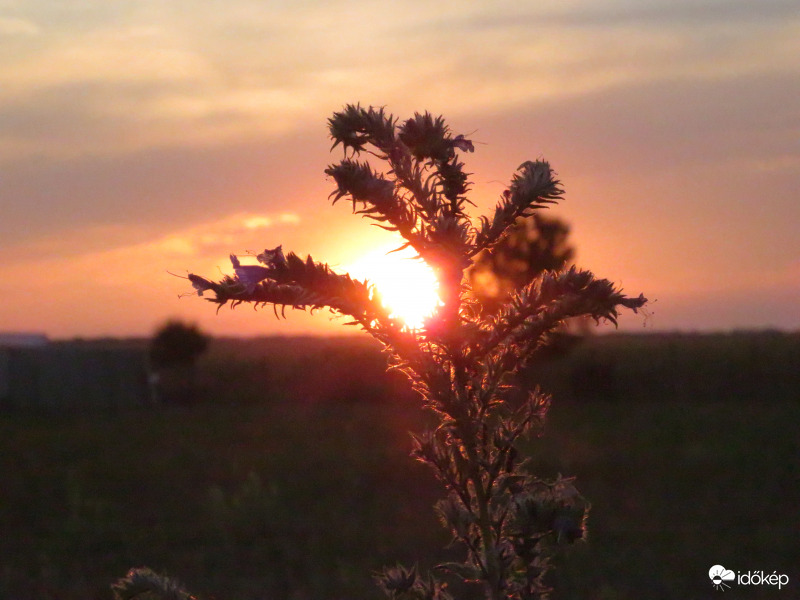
{"type": "Point", "coordinates": [463, 362]}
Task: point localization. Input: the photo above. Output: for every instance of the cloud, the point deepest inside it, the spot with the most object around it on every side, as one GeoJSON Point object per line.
{"type": "Point", "coordinates": [159, 190]}
{"type": "Point", "coordinates": [128, 288]}
{"type": "Point", "coordinates": [159, 74]}
{"type": "Point", "coordinates": [681, 186]}
{"type": "Point", "coordinates": [241, 230]}
{"type": "Point", "coordinates": [588, 14]}
{"type": "Point", "coordinates": [129, 242]}
{"type": "Point", "coordinates": [15, 26]}
{"type": "Point", "coordinates": [133, 262]}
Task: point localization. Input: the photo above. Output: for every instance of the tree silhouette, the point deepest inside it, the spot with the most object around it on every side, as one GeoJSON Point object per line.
{"type": "Point", "coordinates": [532, 246]}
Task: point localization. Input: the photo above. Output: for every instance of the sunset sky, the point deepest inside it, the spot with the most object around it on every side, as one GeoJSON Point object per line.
{"type": "Point", "coordinates": [141, 137]}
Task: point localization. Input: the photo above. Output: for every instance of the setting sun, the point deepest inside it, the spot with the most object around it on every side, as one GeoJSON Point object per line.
{"type": "Point", "coordinates": [407, 285]}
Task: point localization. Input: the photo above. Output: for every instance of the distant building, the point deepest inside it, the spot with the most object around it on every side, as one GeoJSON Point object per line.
{"type": "Point", "coordinates": [22, 340]}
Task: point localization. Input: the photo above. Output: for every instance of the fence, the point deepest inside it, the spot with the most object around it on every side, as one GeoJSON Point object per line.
{"type": "Point", "coordinates": [72, 378]}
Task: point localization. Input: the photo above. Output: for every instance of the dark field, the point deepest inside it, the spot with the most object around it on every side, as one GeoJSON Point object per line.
{"type": "Point", "coordinates": [290, 478]}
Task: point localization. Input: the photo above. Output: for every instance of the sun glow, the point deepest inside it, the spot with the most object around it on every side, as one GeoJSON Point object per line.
{"type": "Point", "coordinates": [406, 285]}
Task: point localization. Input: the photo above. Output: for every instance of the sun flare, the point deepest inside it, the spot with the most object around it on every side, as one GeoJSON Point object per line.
{"type": "Point", "coordinates": [407, 286]}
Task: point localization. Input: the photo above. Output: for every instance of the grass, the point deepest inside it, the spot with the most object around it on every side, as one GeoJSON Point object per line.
{"type": "Point", "coordinates": [253, 500]}
{"type": "Point", "coordinates": [292, 480]}
{"type": "Point", "coordinates": [678, 488]}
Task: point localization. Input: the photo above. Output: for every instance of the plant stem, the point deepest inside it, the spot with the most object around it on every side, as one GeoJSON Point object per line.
{"type": "Point", "coordinates": [491, 559]}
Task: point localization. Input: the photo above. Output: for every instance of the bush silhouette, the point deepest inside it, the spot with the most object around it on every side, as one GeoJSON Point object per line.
{"type": "Point", "coordinates": [177, 344]}
{"type": "Point", "coordinates": [174, 351]}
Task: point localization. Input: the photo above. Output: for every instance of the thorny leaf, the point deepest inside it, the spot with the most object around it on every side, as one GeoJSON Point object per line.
{"type": "Point", "coordinates": [145, 584]}
{"type": "Point", "coordinates": [397, 579]}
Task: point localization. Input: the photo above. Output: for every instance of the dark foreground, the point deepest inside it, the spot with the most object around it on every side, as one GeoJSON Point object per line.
{"type": "Point", "coordinates": [289, 476]}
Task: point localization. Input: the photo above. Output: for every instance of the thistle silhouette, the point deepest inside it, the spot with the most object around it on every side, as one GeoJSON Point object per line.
{"type": "Point", "coordinates": [462, 363]}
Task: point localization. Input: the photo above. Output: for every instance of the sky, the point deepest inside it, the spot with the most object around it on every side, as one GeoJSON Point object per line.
{"type": "Point", "coordinates": [141, 140]}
